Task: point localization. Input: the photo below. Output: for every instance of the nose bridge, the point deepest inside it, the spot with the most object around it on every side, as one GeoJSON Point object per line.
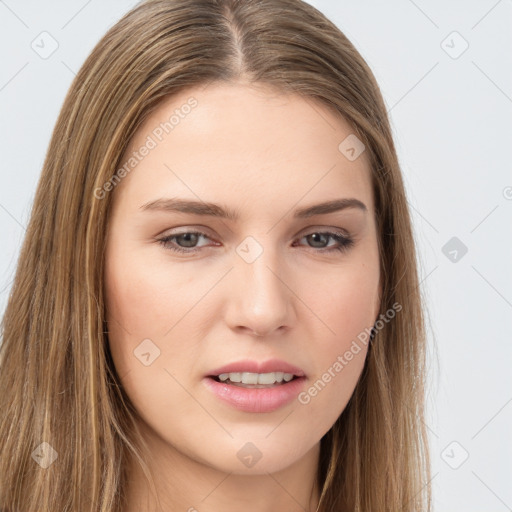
{"type": "Point", "coordinates": [261, 299]}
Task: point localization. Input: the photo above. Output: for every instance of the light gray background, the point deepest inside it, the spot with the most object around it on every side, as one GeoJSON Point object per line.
{"type": "Point", "coordinates": [451, 116]}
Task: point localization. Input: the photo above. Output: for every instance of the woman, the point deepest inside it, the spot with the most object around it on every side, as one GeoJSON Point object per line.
{"type": "Point", "coordinates": [216, 303]}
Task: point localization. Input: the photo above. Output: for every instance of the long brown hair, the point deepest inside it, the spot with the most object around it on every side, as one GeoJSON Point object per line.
{"type": "Point", "coordinates": [58, 384]}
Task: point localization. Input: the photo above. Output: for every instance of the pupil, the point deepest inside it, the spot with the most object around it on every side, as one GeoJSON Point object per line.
{"type": "Point", "coordinates": [187, 236]}
{"type": "Point", "coordinates": [315, 236]}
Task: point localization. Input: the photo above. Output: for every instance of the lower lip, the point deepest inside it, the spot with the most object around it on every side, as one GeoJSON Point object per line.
{"type": "Point", "coordinates": [256, 399]}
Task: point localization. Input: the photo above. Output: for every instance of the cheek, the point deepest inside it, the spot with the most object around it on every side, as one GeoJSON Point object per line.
{"type": "Point", "coordinates": [135, 304]}
{"type": "Point", "coordinates": [347, 306]}
{"type": "Point", "coordinates": [346, 301]}
{"type": "Point", "coordinates": [144, 302]}
{"type": "Point", "coordinates": [146, 299]}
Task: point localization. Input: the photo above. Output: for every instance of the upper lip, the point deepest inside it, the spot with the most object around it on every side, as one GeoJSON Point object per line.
{"type": "Point", "coordinates": [271, 365]}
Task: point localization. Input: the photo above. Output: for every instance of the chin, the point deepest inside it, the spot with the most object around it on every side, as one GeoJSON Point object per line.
{"type": "Point", "coordinates": [257, 457]}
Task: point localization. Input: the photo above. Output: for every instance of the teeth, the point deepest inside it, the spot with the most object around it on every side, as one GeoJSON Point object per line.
{"type": "Point", "coordinates": [256, 378]}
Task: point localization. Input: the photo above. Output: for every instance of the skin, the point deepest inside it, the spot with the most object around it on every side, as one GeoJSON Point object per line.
{"type": "Point", "coordinates": [264, 154]}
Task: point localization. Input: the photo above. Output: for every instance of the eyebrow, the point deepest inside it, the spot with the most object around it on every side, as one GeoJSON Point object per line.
{"type": "Point", "coordinates": [215, 210]}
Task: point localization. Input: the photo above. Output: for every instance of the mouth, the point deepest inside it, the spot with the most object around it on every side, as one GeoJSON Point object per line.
{"type": "Point", "coordinates": [256, 386]}
{"type": "Point", "coordinates": [255, 380]}
{"type": "Point", "coordinates": [253, 392]}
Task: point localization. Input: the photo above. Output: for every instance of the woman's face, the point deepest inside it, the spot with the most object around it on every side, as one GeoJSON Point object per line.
{"type": "Point", "coordinates": [265, 283]}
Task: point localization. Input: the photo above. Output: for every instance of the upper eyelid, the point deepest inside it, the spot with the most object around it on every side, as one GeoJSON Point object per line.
{"type": "Point", "coordinates": [304, 232]}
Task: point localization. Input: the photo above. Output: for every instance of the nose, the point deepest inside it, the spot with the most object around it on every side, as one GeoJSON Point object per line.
{"type": "Point", "coordinates": [260, 301]}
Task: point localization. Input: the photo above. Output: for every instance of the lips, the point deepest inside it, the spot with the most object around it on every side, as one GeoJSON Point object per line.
{"type": "Point", "coordinates": [255, 398]}
{"type": "Point", "coordinates": [271, 365]}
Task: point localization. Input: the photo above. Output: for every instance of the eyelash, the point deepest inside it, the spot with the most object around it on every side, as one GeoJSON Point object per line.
{"type": "Point", "coordinates": [346, 242]}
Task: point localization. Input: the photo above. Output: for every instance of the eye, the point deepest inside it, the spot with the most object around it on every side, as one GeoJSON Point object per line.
{"type": "Point", "coordinates": [344, 242]}
{"type": "Point", "coordinates": [190, 239]}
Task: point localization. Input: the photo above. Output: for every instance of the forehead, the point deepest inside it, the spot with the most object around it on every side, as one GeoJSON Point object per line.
{"type": "Point", "coordinates": [250, 142]}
